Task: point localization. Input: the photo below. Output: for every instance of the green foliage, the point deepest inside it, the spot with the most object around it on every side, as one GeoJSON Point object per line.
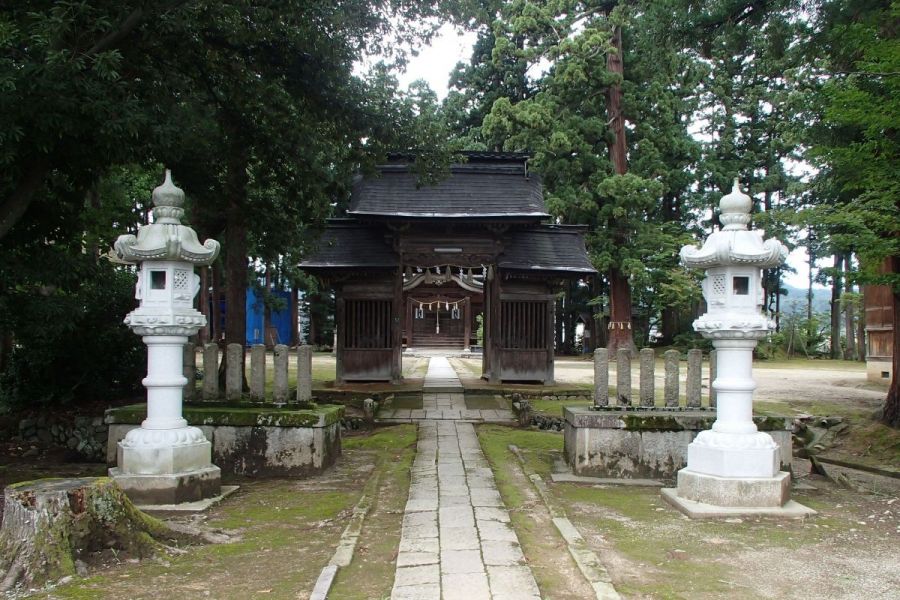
{"type": "Point", "coordinates": [71, 344]}
{"type": "Point", "coordinates": [856, 147]}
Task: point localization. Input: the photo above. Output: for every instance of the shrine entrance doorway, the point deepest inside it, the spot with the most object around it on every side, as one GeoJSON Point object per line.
{"type": "Point", "coordinates": [439, 321]}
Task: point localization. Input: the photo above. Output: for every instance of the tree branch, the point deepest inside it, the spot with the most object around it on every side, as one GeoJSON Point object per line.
{"type": "Point", "coordinates": [13, 207]}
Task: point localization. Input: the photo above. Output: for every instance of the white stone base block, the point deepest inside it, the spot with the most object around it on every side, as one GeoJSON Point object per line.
{"type": "Point", "coordinates": [734, 491]}
{"type": "Point", "coordinates": [170, 488]}
{"type": "Point", "coordinates": [747, 455]}
{"type": "Point", "coordinates": [700, 510]}
{"type": "Point", "coordinates": [161, 460]}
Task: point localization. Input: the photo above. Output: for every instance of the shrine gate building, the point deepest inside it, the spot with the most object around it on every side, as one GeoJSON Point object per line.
{"type": "Point", "coordinates": [415, 265]}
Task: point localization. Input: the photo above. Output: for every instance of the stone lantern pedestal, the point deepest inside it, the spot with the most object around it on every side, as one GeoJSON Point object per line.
{"type": "Point", "coordinates": [165, 461]}
{"type": "Point", "coordinates": [733, 469]}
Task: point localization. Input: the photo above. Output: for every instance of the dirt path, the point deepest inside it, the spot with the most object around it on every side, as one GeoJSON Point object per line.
{"type": "Point", "coordinates": [782, 383]}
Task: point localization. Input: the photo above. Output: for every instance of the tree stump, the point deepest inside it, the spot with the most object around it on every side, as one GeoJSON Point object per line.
{"type": "Point", "coordinates": [48, 524]}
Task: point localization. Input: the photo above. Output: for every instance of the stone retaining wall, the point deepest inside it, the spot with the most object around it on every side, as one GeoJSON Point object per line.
{"type": "Point", "coordinates": [253, 441]}
{"type": "Point", "coordinates": [646, 443]}
{"type": "Point", "coordinates": [82, 434]}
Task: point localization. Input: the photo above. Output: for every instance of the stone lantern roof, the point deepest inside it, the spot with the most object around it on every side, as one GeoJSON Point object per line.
{"type": "Point", "coordinates": [734, 244]}
{"type": "Point", "coordinates": [166, 238]}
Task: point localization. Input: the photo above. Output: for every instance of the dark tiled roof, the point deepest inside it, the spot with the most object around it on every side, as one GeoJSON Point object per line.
{"type": "Point", "coordinates": [350, 245]}
{"type": "Point", "coordinates": [479, 189]}
{"type": "Point", "coordinates": [546, 248]}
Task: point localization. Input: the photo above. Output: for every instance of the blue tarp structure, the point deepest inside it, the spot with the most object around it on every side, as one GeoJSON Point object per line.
{"type": "Point", "coordinates": [279, 321]}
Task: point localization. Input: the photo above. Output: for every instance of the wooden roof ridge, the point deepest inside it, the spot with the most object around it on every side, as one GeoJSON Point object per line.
{"type": "Point", "coordinates": [489, 189]}
{"type": "Point", "coordinates": [472, 155]}
{"type": "Point", "coordinates": [547, 247]}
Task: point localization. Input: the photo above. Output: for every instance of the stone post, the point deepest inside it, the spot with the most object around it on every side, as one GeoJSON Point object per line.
{"type": "Point", "coordinates": [258, 373]}
{"type": "Point", "coordinates": [733, 468]}
{"type": "Point", "coordinates": [369, 409]}
{"type": "Point", "coordinates": [671, 391]}
{"type": "Point", "coordinates": [623, 376]}
{"type": "Point", "coordinates": [713, 370]}
{"type": "Point", "coordinates": [280, 393]}
{"type": "Point", "coordinates": [601, 377]}
{"type": "Point", "coordinates": [648, 367]}
{"type": "Point", "coordinates": [189, 360]}
{"type": "Point", "coordinates": [694, 377]}
{"type": "Point", "coordinates": [211, 372]}
{"type": "Point", "coordinates": [304, 375]}
{"type": "Point", "coordinates": [165, 461]}
{"type": "Point", "coordinates": [234, 372]}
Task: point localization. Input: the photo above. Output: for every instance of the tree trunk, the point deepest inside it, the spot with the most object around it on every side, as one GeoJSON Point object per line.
{"type": "Point", "coordinates": [849, 314]}
{"type": "Point", "coordinates": [215, 330]}
{"type": "Point", "coordinates": [861, 326]}
{"type": "Point", "coordinates": [809, 284]}
{"type": "Point", "coordinates": [203, 306]}
{"type": "Point", "coordinates": [295, 315]}
{"type": "Point", "coordinates": [617, 148]}
{"type": "Point", "coordinates": [890, 414]}
{"type": "Point", "coordinates": [836, 287]}
{"type": "Point", "coordinates": [48, 524]}
{"type": "Point", "coordinates": [236, 249]}
{"type": "Point", "coordinates": [620, 334]}
{"type": "Point", "coordinates": [13, 208]}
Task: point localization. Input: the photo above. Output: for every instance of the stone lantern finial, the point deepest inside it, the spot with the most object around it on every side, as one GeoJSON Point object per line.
{"type": "Point", "coordinates": [735, 209]}
{"type": "Point", "coordinates": [168, 200]}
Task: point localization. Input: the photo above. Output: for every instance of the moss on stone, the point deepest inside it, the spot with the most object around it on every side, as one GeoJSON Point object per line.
{"type": "Point", "coordinates": [321, 415]}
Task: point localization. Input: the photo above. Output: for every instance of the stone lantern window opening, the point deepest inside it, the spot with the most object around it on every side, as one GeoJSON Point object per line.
{"type": "Point", "coordinates": [157, 280]}
{"type": "Point", "coordinates": [741, 286]}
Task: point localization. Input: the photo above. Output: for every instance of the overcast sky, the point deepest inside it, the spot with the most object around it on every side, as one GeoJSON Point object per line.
{"type": "Point", "coordinates": [450, 46]}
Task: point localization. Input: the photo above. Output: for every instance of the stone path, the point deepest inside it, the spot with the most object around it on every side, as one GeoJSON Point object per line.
{"type": "Point", "coordinates": [456, 541]}
{"type": "Point", "coordinates": [443, 398]}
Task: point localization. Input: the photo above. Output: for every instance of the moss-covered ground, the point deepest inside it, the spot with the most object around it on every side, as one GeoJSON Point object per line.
{"type": "Point", "coordinates": [652, 551]}
{"type": "Point", "coordinates": [371, 573]}
{"type": "Point", "coordinates": [281, 533]}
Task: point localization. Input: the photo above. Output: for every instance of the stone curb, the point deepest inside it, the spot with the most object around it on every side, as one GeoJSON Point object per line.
{"type": "Point", "coordinates": [588, 563]}
{"type": "Point", "coordinates": [343, 554]}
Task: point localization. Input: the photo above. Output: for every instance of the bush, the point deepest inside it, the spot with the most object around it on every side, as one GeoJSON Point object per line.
{"type": "Point", "coordinates": [71, 345]}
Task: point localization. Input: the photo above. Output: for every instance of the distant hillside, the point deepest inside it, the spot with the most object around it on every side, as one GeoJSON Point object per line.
{"type": "Point", "coordinates": [795, 300]}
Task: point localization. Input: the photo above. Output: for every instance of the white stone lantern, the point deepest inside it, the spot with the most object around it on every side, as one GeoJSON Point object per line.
{"type": "Point", "coordinates": [734, 468]}
{"type": "Point", "coordinates": [165, 461]}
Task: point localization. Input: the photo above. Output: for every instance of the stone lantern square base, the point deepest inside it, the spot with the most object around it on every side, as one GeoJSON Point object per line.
{"type": "Point", "coordinates": [699, 495]}
{"type": "Point", "coordinates": [735, 491]}
{"type": "Point", "coordinates": [166, 466]}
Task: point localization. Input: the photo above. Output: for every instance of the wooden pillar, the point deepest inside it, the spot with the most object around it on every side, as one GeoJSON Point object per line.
{"type": "Point", "coordinates": [495, 328]}
{"type": "Point", "coordinates": [549, 376]}
{"type": "Point", "coordinates": [467, 326]}
{"type": "Point", "coordinates": [339, 336]}
{"type": "Point", "coordinates": [408, 325]}
{"type": "Point", "coordinates": [396, 328]}
{"type": "Point", "coordinates": [486, 331]}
